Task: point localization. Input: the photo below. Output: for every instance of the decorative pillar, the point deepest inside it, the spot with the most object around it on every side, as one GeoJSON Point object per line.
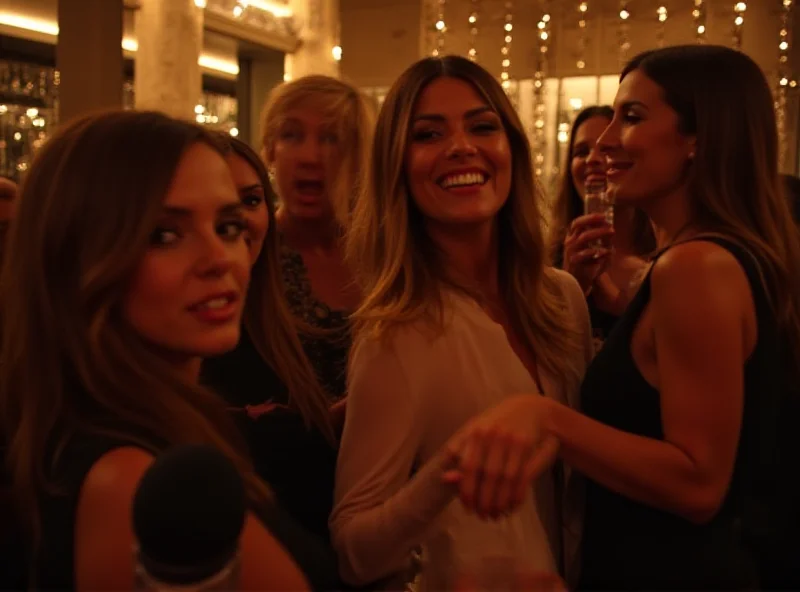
{"type": "Point", "coordinates": [89, 56]}
{"type": "Point", "coordinates": [170, 38]}
{"type": "Point", "coordinates": [319, 25]}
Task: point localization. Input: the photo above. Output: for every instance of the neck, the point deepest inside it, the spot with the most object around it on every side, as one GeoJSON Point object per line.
{"type": "Point", "coordinates": [307, 233]}
{"type": "Point", "coordinates": [671, 218]}
{"type": "Point", "coordinates": [624, 229]}
{"type": "Point", "coordinates": [188, 369]}
{"type": "Point", "coordinates": [471, 253]}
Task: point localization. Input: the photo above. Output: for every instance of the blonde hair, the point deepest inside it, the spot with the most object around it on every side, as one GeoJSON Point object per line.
{"type": "Point", "coordinates": [398, 267]}
{"type": "Point", "coordinates": [71, 364]}
{"type": "Point", "coordinates": [269, 321]}
{"type": "Point", "coordinates": [349, 112]}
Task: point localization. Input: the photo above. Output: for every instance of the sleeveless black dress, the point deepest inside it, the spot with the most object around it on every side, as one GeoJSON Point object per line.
{"type": "Point", "coordinates": [53, 568]}
{"type": "Point", "coordinates": [630, 546]}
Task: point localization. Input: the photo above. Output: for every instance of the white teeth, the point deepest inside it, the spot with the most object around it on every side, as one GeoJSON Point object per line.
{"type": "Point", "coordinates": [464, 179]}
{"type": "Point", "coordinates": [215, 304]}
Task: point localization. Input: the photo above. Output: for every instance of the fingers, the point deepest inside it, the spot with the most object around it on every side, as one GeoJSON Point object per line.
{"type": "Point", "coordinates": [493, 475]}
{"type": "Point", "coordinates": [471, 463]}
{"type": "Point", "coordinates": [593, 235]}
{"type": "Point", "coordinates": [581, 223]}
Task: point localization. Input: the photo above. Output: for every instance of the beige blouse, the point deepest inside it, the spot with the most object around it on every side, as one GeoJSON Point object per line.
{"type": "Point", "coordinates": [405, 400]}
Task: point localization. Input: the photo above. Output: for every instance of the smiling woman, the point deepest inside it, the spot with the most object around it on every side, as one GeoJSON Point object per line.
{"type": "Point", "coordinates": [460, 312]}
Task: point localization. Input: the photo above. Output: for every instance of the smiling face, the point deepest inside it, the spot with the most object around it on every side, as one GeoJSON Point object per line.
{"type": "Point", "coordinates": [458, 160]}
{"type": "Point", "coordinates": [187, 293]}
{"type": "Point", "coordinates": [647, 155]}
{"type": "Point", "coordinates": [253, 197]}
{"type": "Point", "coordinates": [588, 165]}
{"type": "Point", "coordinates": [304, 153]}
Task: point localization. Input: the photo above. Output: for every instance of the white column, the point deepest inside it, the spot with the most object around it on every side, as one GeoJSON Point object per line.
{"type": "Point", "coordinates": [319, 32]}
{"type": "Point", "coordinates": [170, 38]}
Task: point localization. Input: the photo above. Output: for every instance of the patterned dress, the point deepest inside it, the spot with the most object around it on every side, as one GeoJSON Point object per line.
{"type": "Point", "coordinates": [327, 353]}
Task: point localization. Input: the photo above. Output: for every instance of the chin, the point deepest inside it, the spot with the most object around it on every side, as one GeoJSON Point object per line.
{"type": "Point", "coordinates": [211, 345]}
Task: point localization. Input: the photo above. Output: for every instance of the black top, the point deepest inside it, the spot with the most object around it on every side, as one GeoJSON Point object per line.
{"type": "Point", "coordinates": [629, 545]}
{"type": "Point", "coordinates": [54, 566]}
{"type": "Point", "coordinates": [297, 462]}
{"type": "Point", "coordinates": [602, 323]}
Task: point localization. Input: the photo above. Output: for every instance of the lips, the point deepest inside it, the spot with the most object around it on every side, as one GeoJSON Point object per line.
{"type": "Point", "coordinates": [463, 178]}
{"type": "Point", "coordinates": [215, 302]}
{"type": "Point", "coordinates": [310, 187]}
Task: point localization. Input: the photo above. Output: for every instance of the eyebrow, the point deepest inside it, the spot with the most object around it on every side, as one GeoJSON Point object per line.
{"type": "Point", "coordinates": [252, 187]}
{"type": "Point", "coordinates": [629, 104]}
{"type": "Point", "coordinates": [469, 114]}
{"type": "Point", "coordinates": [226, 210]}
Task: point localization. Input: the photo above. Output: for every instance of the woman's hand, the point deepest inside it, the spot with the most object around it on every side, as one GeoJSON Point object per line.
{"type": "Point", "coordinates": [582, 257]}
{"type": "Point", "coordinates": [500, 453]}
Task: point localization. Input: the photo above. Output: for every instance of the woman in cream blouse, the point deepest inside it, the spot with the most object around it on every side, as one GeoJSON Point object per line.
{"type": "Point", "coordinates": [460, 313]}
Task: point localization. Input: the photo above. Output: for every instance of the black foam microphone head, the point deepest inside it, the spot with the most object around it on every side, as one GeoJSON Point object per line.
{"type": "Point", "coordinates": [188, 514]}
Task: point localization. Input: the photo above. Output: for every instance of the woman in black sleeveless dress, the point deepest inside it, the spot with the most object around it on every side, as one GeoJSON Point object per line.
{"type": "Point", "coordinates": [682, 435]}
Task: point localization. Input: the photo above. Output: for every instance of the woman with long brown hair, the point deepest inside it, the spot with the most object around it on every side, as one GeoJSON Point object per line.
{"type": "Point", "coordinates": [688, 430]}
{"type": "Point", "coordinates": [268, 380]}
{"type": "Point", "coordinates": [608, 282]}
{"type": "Point", "coordinates": [127, 265]}
{"type": "Point", "coordinates": [460, 312]}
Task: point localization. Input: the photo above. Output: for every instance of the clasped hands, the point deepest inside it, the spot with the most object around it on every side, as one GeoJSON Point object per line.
{"type": "Point", "coordinates": [496, 456]}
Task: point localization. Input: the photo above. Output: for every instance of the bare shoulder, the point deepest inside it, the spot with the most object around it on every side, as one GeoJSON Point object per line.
{"type": "Point", "coordinates": [116, 471]}
{"type": "Point", "coordinates": [698, 264]}
{"type": "Point", "coordinates": [103, 531]}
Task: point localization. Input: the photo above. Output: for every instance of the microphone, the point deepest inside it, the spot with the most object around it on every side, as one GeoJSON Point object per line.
{"type": "Point", "coordinates": [188, 514]}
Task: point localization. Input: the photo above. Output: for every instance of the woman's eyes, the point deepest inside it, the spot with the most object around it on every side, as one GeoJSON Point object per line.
{"type": "Point", "coordinates": [229, 229]}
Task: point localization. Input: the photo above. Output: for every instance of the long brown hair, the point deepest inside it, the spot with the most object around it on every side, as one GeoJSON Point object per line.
{"type": "Point", "coordinates": [395, 262]}
{"type": "Point", "coordinates": [568, 204]}
{"type": "Point", "coordinates": [722, 98]}
{"type": "Point", "coordinates": [268, 320]}
{"type": "Point", "coordinates": [71, 364]}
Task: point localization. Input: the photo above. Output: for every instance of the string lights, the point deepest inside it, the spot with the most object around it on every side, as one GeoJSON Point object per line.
{"type": "Point", "coordinates": [441, 29]}
{"type": "Point", "coordinates": [785, 78]}
{"type": "Point", "coordinates": [699, 18]}
{"type": "Point", "coordinates": [738, 24]}
{"type": "Point", "coordinates": [624, 41]}
{"type": "Point", "coordinates": [583, 9]}
{"type": "Point", "coordinates": [662, 14]}
{"type": "Point", "coordinates": [539, 77]}
{"type": "Point", "coordinates": [474, 15]}
{"type": "Point", "coordinates": [505, 51]}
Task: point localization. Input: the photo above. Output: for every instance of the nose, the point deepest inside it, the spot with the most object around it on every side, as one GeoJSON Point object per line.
{"type": "Point", "coordinates": [460, 145]}
{"type": "Point", "coordinates": [609, 140]}
{"type": "Point", "coordinates": [214, 256]}
{"type": "Point", "coordinates": [596, 156]}
{"type": "Point", "coordinates": [311, 151]}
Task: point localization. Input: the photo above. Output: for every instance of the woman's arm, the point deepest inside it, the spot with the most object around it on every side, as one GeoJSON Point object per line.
{"type": "Point", "coordinates": [701, 303]}
{"type": "Point", "coordinates": [704, 323]}
{"type": "Point", "coordinates": [380, 511]}
{"type": "Point", "coordinates": [104, 539]}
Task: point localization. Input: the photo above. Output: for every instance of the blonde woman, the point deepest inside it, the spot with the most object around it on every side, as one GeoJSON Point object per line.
{"type": "Point", "coordinates": [316, 133]}
{"type": "Point", "coordinates": [459, 313]}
